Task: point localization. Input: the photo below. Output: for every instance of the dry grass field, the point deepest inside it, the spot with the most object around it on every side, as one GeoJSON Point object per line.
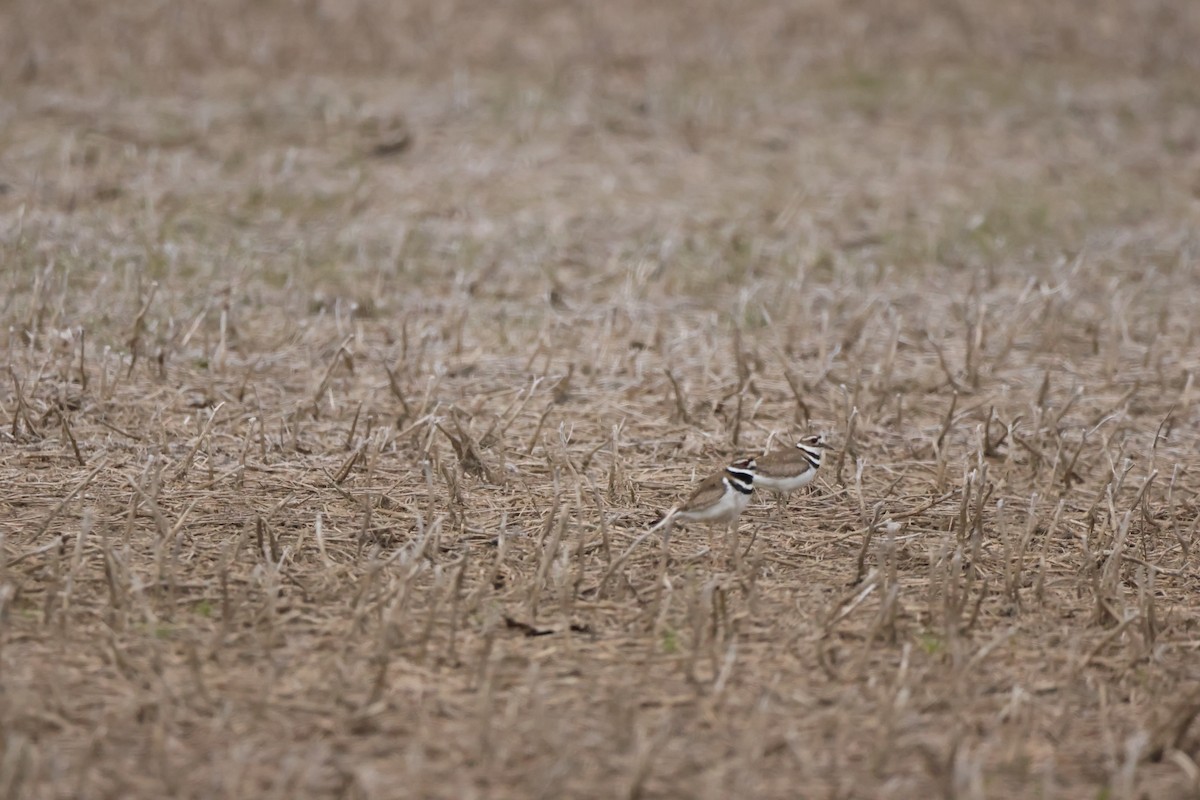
{"type": "Point", "coordinates": [348, 347]}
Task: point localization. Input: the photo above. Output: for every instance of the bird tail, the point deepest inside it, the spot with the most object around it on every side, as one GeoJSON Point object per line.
{"type": "Point", "coordinates": [667, 519]}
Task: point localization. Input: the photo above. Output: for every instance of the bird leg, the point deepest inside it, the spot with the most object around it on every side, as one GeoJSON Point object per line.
{"type": "Point", "coordinates": [663, 584]}
{"type": "Point", "coordinates": [780, 502]}
{"type": "Point", "coordinates": [731, 544]}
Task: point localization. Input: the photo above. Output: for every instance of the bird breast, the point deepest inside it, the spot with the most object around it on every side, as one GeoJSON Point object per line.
{"type": "Point", "coordinates": [784, 484]}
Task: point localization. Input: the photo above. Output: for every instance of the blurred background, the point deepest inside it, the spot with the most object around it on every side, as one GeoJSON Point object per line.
{"type": "Point", "coordinates": [267, 261]}
{"type": "Point", "coordinates": [911, 133]}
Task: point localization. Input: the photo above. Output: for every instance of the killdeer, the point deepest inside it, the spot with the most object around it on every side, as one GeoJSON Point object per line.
{"type": "Point", "coordinates": [785, 471]}
{"type": "Point", "coordinates": [721, 497]}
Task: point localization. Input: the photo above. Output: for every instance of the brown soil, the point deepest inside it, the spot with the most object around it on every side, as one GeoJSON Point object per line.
{"type": "Point", "coordinates": [348, 347]}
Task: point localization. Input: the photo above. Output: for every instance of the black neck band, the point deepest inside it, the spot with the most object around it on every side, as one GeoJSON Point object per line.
{"type": "Point", "coordinates": [741, 481]}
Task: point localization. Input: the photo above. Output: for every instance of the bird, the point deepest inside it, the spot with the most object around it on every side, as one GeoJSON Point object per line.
{"type": "Point", "coordinates": [784, 471]}
{"type": "Point", "coordinates": [721, 497]}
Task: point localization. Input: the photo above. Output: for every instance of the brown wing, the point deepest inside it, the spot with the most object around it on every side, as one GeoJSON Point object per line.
{"type": "Point", "coordinates": [782, 462]}
{"type": "Point", "coordinates": [707, 492]}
